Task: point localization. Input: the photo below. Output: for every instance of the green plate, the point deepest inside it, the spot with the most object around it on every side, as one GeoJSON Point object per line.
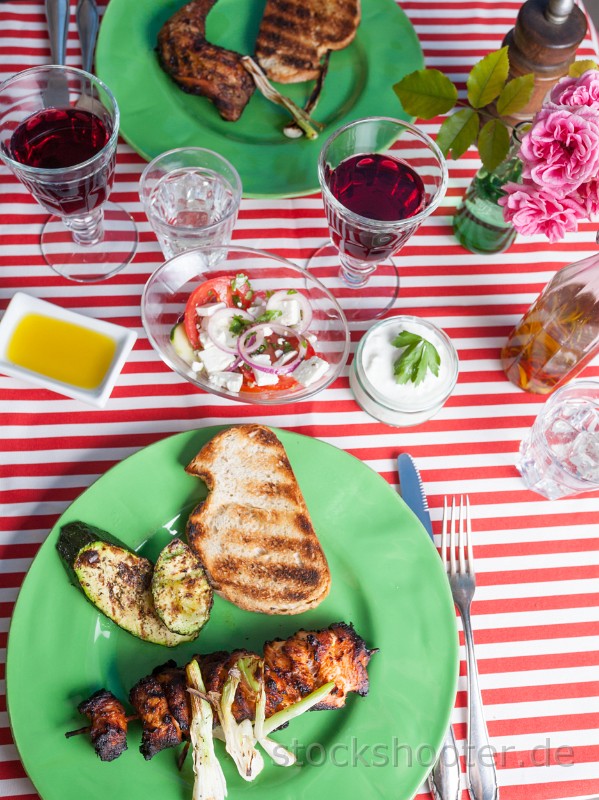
{"type": "Point", "coordinates": [387, 579]}
{"type": "Point", "coordinates": [156, 115]}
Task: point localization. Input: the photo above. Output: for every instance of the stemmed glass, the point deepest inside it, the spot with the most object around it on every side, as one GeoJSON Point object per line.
{"type": "Point", "coordinates": [380, 179]}
{"type": "Point", "coordinates": [58, 134]}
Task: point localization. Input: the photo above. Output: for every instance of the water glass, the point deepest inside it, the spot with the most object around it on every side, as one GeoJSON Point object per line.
{"type": "Point", "coordinates": [560, 456]}
{"type": "Point", "coordinates": [191, 197]}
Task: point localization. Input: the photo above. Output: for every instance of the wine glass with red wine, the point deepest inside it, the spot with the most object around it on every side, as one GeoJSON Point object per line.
{"type": "Point", "coordinates": [58, 134]}
{"type": "Point", "coordinates": [380, 179]}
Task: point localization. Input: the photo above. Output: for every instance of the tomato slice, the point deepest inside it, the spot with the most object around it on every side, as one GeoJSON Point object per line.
{"type": "Point", "coordinates": [285, 382]}
{"type": "Point", "coordinates": [216, 290]}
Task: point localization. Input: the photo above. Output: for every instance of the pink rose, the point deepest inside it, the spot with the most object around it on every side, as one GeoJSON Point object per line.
{"type": "Point", "coordinates": [582, 91]}
{"type": "Point", "coordinates": [587, 195]}
{"type": "Point", "coordinates": [533, 210]}
{"type": "Point", "coordinates": [561, 150]}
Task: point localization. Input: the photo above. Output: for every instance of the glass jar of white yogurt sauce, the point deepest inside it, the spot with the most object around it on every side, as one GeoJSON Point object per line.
{"type": "Point", "coordinates": [373, 381]}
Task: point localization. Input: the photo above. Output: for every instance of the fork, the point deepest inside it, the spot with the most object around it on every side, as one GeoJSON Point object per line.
{"type": "Point", "coordinates": [482, 778]}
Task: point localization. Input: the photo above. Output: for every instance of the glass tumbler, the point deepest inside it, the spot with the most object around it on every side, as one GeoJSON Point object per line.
{"type": "Point", "coordinates": [191, 197]}
{"type": "Point", "coordinates": [560, 455]}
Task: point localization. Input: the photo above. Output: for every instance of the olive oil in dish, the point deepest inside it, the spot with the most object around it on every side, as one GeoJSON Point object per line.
{"type": "Point", "coordinates": [61, 350]}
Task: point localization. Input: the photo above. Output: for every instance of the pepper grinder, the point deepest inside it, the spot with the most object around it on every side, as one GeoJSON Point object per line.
{"type": "Point", "coordinates": [544, 41]}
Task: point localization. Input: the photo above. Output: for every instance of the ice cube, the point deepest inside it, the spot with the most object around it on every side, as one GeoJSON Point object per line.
{"type": "Point", "coordinates": [585, 455]}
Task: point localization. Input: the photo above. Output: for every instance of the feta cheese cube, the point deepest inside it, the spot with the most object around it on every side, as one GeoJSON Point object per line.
{"type": "Point", "coordinates": [214, 359]}
{"type": "Point", "coordinates": [208, 309]}
{"type": "Point", "coordinates": [291, 312]}
{"type": "Point", "coordinates": [231, 381]}
{"type": "Point", "coordinates": [257, 309]}
{"type": "Point", "coordinates": [310, 371]}
{"type": "Point", "coordinates": [284, 358]}
{"type": "Point", "coordinates": [264, 378]}
{"type": "Point", "coordinates": [205, 340]}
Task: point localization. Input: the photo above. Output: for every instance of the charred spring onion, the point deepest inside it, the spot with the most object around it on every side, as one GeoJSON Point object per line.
{"type": "Point", "coordinates": [209, 781]}
{"type": "Point", "coordinates": [308, 125]}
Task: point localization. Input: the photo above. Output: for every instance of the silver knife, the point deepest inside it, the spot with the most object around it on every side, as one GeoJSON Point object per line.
{"type": "Point", "coordinates": [56, 93]}
{"type": "Point", "coordinates": [444, 778]}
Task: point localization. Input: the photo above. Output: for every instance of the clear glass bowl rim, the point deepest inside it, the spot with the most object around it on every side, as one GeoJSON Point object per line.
{"type": "Point", "coordinates": [257, 398]}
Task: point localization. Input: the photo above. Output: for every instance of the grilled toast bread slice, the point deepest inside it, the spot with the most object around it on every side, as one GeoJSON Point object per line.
{"type": "Point", "coordinates": [294, 35]}
{"type": "Point", "coordinates": [253, 533]}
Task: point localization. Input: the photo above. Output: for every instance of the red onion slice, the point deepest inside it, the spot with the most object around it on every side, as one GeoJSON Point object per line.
{"type": "Point", "coordinates": [234, 365]}
{"type": "Point", "coordinates": [276, 302]}
{"type": "Point", "coordinates": [219, 322]}
{"type": "Point", "coordinates": [253, 338]}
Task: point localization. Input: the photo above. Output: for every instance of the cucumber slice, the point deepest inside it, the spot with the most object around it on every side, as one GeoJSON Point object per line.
{"type": "Point", "coordinates": [181, 344]}
{"type": "Point", "coordinates": [118, 582]}
{"type": "Point", "coordinates": [182, 594]}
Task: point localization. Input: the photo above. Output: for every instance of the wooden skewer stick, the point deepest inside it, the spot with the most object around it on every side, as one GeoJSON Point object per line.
{"type": "Point", "coordinates": [182, 756]}
{"type": "Point", "coordinates": [88, 728]}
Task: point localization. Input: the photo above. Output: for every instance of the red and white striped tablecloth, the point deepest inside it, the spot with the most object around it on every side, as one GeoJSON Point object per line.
{"type": "Point", "coordinates": [536, 611]}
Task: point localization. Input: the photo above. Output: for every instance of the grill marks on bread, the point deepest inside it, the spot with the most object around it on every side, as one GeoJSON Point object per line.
{"type": "Point", "coordinates": [294, 35]}
{"type": "Point", "coordinates": [200, 67]}
{"type": "Point", "coordinates": [253, 533]}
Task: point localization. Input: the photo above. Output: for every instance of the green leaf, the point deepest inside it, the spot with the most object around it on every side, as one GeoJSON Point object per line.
{"type": "Point", "coordinates": [487, 78]}
{"type": "Point", "coordinates": [578, 68]}
{"type": "Point", "coordinates": [426, 93]}
{"type": "Point", "coordinates": [458, 132]}
{"type": "Point", "coordinates": [418, 357]}
{"type": "Point", "coordinates": [406, 338]}
{"type": "Point", "coordinates": [434, 359]}
{"type": "Point", "coordinates": [493, 144]}
{"type": "Point", "coordinates": [516, 94]}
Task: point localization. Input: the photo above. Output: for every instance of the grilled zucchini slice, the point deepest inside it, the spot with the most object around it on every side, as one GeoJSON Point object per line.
{"type": "Point", "coordinates": [75, 535]}
{"type": "Point", "coordinates": [182, 595]}
{"type": "Point", "coordinates": [115, 580]}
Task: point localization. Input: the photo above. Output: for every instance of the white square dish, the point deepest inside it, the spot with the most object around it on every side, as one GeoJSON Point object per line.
{"type": "Point", "coordinates": [22, 305]}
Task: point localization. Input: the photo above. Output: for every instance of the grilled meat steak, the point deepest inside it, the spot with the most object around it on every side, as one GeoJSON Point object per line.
{"type": "Point", "coordinates": [200, 67]}
{"type": "Point", "coordinates": [294, 35]}
{"type": "Point", "coordinates": [108, 724]}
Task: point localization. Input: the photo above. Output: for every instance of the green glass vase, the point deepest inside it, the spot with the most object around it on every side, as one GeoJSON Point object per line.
{"type": "Point", "coordinates": [478, 222]}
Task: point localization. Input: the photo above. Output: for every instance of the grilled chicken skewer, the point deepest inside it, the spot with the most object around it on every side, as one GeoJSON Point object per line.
{"type": "Point", "coordinates": [293, 669]}
{"type": "Point", "coordinates": [108, 730]}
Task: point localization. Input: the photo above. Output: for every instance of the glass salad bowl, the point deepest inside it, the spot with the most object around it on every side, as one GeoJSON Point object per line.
{"type": "Point", "coordinates": [245, 324]}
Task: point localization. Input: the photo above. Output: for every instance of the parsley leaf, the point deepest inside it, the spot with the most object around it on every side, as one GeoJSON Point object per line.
{"type": "Point", "coordinates": [238, 323]}
{"type": "Point", "coordinates": [417, 358]}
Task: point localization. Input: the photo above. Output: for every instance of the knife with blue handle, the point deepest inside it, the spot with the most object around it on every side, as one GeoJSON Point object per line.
{"type": "Point", "coordinates": [444, 778]}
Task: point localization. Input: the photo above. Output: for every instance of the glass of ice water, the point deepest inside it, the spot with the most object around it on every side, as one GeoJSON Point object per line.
{"type": "Point", "coordinates": [191, 197]}
{"type": "Point", "coordinates": [560, 455]}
